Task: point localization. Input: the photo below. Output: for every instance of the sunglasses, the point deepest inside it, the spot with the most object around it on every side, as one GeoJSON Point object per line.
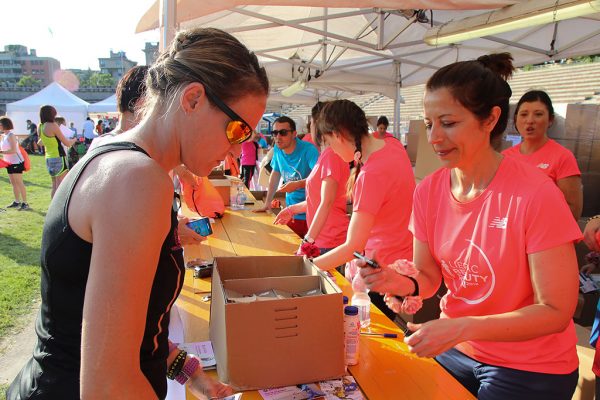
{"type": "Point", "coordinates": [237, 130]}
{"type": "Point", "coordinates": [281, 132]}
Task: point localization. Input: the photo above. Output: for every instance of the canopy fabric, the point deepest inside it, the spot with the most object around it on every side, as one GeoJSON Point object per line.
{"type": "Point", "coordinates": [191, 9]}
{"type": "Point", "coordinates": [66, 103]}
{"type": "Point", "coordinates": [364, 46]}
{"type": "Point", "coordinates": [108, 105]}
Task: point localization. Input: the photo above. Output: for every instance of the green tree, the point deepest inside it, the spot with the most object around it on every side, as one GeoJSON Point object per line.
{"type": "Point", "coordinates": [28, 80]}
{"type": "Point", "coordinates": [98, 79]}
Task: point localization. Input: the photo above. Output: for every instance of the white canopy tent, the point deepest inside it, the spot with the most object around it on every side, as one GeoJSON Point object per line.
{"type": "Point", "coordinates": [108, 105]}
{"type": "Point", "coordinates": [66, 103]}
{"type": "Point", "coordinates": [375, 46]}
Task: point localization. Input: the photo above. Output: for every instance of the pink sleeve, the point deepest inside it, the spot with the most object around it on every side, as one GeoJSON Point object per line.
{"type": "Point", "coordinates": [329, 167]}
{"type": "Point", "coordinates": [417, 224]}
{"type": "Point", "coordinates": [368, 193]}
{"type": "Point", "coordinates": [548, 220]}
{"type": "Point", "coordinates": [568, 166]}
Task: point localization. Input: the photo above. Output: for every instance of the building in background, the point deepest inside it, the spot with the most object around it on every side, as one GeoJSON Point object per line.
{"type": "Point", "coordinates": [151, 51]}
{"type": "Point", "coordinates": [116, 65]}
{"type": "Point", "coordinates": [16, 61]}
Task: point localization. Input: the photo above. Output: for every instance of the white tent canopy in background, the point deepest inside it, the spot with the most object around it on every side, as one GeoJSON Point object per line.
{"type": "Point", "coordinates": [375, 46]}
{"type": "Point", "coordinates": [66, 103]}
{"type": "Point", "coordinates": [108, 105]}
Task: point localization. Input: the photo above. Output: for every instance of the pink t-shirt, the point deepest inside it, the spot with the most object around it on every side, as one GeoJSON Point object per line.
{"type": "Point", "coordinates": [384, 188]}
{"type": "Point", "coordinates": [482, 246]}
{"type": "Point", "coordinates": [308, 138]}
{"type": "Point", "coordinates": [334, 231]}
{"type": "Point", "coordinates": [248, 156]}
{"type": "Point", "coordinates": [553, 159]}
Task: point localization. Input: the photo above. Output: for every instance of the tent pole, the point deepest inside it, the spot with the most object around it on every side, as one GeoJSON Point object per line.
{"type": "Point", "coordinates": [168, 22]}
{"type": "Point", "coordinates": [397, 100]}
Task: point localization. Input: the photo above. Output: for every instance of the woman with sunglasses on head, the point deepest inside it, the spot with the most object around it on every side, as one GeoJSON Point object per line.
{"type": "Point", "coordinates": [500, 236]}
{"type": "Point", "coordinates": [111, 275]}
{"type": "Point", "coordinates": [381, 202]}
{"type": "Point", "coordinates": [325, 203]}
{"type": "Point", "coordinates": [534, 114]}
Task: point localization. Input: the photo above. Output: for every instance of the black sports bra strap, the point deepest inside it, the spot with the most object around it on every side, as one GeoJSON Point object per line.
{"type": "Point", "coordinates": [106, 148]}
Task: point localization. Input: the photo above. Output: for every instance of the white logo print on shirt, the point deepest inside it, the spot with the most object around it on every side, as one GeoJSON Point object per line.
{"type": "Point", "coordinates": [471, 274]}
{"type": "Point", "coordinates": [499, 223]}
{"type": "Point", "coordinates": [543, 166]}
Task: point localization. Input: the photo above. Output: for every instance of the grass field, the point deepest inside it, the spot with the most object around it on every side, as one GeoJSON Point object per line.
{"type": "Point", "coordinates": [20, 238]}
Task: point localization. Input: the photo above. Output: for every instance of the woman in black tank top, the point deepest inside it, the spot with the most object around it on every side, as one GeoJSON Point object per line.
{"type": "Point", "coordinates": [112, 264]}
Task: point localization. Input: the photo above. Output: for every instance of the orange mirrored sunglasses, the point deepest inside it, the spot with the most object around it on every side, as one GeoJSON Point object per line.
{"type": "Point", "coordinates": [237, 130]}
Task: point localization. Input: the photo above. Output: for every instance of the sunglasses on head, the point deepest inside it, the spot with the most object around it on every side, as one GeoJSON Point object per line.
{"type": "Point", "coordinates": [281, 132]}
{"type": "Point", "coordinates": [237, 130]}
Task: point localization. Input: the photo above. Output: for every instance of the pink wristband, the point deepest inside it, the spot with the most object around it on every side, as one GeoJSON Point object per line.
{"type": "Point", "coordinates": [190, 366]}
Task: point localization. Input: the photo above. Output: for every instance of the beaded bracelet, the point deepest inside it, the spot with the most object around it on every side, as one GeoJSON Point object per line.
{"type": "Point", "coordinates": [591, 218]}
{"type": "Point", "coordinates": [177, 365]}
{"type": "Point", "coordinates": [190, 366]}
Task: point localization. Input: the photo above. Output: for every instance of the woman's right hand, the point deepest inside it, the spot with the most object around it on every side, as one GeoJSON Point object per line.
{"type": "Point", "coordinates": [284, 216]}
{"type": "Point", "coordinates": [206, 387]}
{"type": "Point", "coordinates": [591, 234]}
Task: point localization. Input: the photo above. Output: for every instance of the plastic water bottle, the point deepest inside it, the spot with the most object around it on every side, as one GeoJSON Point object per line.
{"type": "Point", "coordinates": [351, 335]}
{"type": "Point", "coordinates": [241, 195]}
{"type": "Point", "coordinates": [361, 300]}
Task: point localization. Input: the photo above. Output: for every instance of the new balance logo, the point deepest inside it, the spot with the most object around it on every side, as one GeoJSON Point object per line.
{"type": "Point", "coordinates": [499, 223]}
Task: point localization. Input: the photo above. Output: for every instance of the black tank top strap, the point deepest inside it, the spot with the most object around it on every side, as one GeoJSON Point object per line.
{"type": "Point", "coordinates": [106, 148]}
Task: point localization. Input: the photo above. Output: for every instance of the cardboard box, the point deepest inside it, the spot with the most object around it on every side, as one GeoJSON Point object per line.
{"type": "Point", "coordinates": [412, 143]}
{"type": "Point", "coordinates": [223, 186]}
{"type": "Point", "coordinates": [427, 160]}
{"type": "Point", "coordinates": [279, 342]}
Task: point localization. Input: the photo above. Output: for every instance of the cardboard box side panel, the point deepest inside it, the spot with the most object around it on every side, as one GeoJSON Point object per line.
{"type": "Point", "coordinates": [260, 266]}
{"type": "Point", "coordinates": [427, 161]}
{"type": "Point", "coordinates": [217, 326]}
{"type": "Point", "coordinates": [290, 341]}
{"type": "Point", "coordinates": [292, 284]}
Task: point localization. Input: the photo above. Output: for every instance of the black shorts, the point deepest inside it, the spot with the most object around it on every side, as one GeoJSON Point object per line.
{"type": "Point", "coordinates": [16, 168]}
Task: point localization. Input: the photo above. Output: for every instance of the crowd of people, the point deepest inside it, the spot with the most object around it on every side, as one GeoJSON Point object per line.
{"type": "Point", "coordinates": [496, 228]}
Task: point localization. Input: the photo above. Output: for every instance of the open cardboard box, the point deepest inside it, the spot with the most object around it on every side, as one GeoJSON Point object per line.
{"type": "Point", "coordinates": [278, 342]}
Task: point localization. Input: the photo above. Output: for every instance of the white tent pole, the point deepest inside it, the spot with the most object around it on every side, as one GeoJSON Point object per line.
{"type": "Point", "coordinates": [324, 59]}
{"type": "Point", "coordinates": [397, 100]}
{"type": "Point", "coordinates": [168, 22]}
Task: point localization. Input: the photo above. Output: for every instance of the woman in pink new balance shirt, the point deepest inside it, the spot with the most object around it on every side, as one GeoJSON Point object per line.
{"type": "Point", "coordinates": [325, 203]}
{"type": "Point", "coordinates": [500, 236]}
{"type": "Point", "coordinates": [533, 116]}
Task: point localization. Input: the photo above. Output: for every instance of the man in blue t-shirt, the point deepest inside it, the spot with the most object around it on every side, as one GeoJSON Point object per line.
{"type": "Point", "coordinates": [293, 160]}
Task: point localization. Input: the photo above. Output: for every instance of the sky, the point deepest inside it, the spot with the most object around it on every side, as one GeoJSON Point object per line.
{"type": "Point", "coordinates": [76, 32]}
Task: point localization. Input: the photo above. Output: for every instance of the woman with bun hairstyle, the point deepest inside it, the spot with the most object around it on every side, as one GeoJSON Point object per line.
{"type": "Point", "coordinates": [500, 236]}
{"type": "Point", "coordinates": [533, 116]}
{"type": "Point", "coordinates": [112, 264]}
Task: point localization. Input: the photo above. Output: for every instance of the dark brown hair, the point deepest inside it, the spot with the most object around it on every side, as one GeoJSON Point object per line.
{"type": "Point", "coordinates": [349, 120]}
{"type": "Point", "coordinates": [131, 88]}
{"type": "Point", "coordinates": [532, 96]}
{"type": "Point", "coordinates": [478, 85]}
{"type": "Point", "coordinates": [210, 56]}
{"type": "Point", "coordinates": [6, 123]}
{"type": "Point", "coordinates": [47, 114]}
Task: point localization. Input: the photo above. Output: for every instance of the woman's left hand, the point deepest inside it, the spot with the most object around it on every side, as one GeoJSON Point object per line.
{"type": "Point", "coordinates": [187, 235]}
{"type": "Point", "coordinates": [434, 337]}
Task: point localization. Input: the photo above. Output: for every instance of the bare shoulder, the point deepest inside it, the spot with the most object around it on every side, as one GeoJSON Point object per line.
{"type": "Point", "coordinates": [118, 186]}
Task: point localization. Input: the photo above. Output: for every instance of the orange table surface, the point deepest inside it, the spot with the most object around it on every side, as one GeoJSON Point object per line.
{"type": "Point", "coordinates": [386, 369]}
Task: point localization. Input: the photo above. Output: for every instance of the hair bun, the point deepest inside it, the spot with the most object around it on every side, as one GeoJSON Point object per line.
{"type": "Point", "coordinates": [500, 63]}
